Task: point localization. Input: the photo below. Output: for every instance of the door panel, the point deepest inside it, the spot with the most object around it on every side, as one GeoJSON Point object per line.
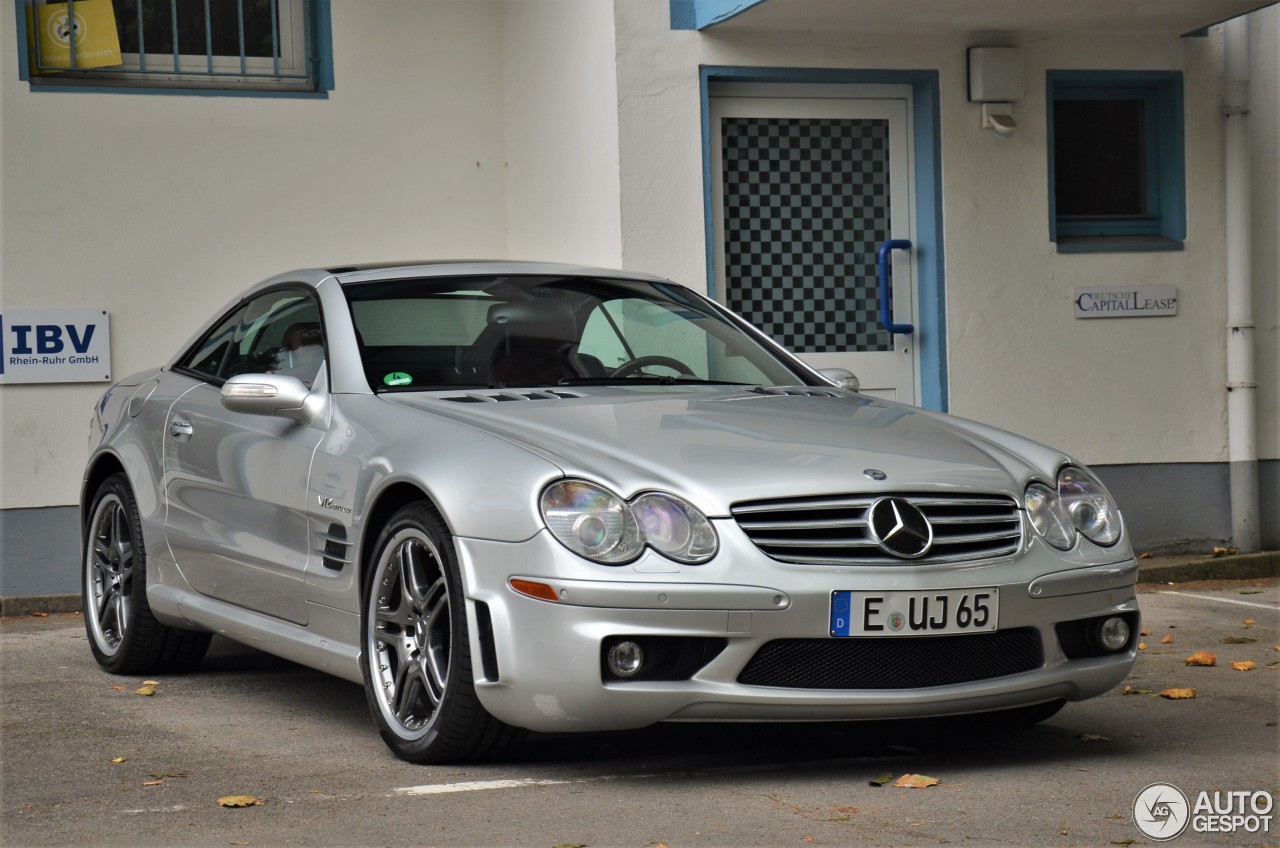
{"type": "Point", "coordinates": [805, 190]}
{"type": "Point", "coordinates": [237, 513]}
{"type": "Point", "coordinates": [236, 484]}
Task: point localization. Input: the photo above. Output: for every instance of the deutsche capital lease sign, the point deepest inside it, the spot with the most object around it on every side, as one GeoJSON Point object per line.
{"type": "Point", "coordinates": [54, 346]}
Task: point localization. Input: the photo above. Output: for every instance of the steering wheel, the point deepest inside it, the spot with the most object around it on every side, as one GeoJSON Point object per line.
{"type": "Point", "coordinates": [642, 362]}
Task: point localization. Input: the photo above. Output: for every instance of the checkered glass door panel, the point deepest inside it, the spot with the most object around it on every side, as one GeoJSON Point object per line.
{"type": "Point", "coordinates": [806, 205]}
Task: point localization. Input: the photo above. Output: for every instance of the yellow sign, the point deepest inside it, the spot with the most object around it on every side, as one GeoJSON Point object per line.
{"type": "Point", "coordinates": [94, 29]}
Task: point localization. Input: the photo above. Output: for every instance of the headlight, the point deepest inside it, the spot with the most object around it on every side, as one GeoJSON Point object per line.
{"type": "Point", "coordinates": [1091, 509]}
{"type": "Point", "coordinates": [594, 523]}
{"type": "Point", "coordinates": [675, 528]}
{"type": "Point", "coordinates": [1048, 517]}
{"type": "Point", "coordinates": [591, 521]}
{"type": "Point", "coordinates": [1079, 504]}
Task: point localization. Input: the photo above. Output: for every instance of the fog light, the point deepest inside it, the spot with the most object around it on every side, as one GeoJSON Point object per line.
{"type": "Point", "coordinates": [1113, 633]}
{"type": "Point", "coordinates": [625, 659]}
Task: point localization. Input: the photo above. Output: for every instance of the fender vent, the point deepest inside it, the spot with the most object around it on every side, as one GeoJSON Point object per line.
{"type": "Point", "coordinates": [336, 548]}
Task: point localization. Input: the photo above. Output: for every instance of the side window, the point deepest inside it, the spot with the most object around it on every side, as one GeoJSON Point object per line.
{"type": "Point", "coordinates": [275, 333]}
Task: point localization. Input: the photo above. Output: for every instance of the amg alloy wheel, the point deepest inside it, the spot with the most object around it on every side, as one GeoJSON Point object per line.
{"type": "Point", "coordinates": [123, 634]}
{"type": "Point", "coordinates": [416, 655]}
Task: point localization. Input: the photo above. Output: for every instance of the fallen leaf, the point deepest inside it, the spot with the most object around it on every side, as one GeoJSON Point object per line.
{"type": "Point", "coordinates": [1221, 552]}
{"type": "Point", "coordinates": [916, 781]}
{"type": "Point", "coordinates": [151, 683]}
{"type": "Point", "coordinates": [1142, 646]}
{"type": "Point", "coordinates": [1204, 658]}
{"type": "Point", "coordinates": [118, 760]}
{"type": "Point", "coordinates": [845, 809]}
{"type": "Point", "coordinates": [1238, 640]}
{"type": "Point", "coordinates": [1146, 555]}
{"type": "Point", "coordinates": [146, 690]}
{"type": "Point", "coordinates": [1129, 690]}
{"type": "Point", "coordinates": [1249, 621]}
{"type": "Point", "coordinates": [152, 782]}
{"type": "Point", "coordinates": [808, 839]}
{"type": "Point", "coordinates": [40, 615]}
{"type": "Point", "coordinates": [1177, 694]}
{"type": "Point", "coordinates": [1124, 842]}
{"type": "Point", "coordinates": [1144, 632]}
{"type": "Point", "coordinates": [888, 776]}
{"type": "Point", "coordinates": [1092, 737]}
{"type": "Point", "coordinates": [1167, 640]}
{"type": "Point", "coordinates": [240, 801]}
{"type": "Point", "coordinates": [1247, 665]}
{"type": "Point", "coordinates": [1250, 592]}
{"type": "Point", "coordinates": [119, 688]}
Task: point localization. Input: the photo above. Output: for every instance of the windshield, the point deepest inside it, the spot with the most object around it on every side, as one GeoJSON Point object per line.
{"type": "Point", "coordinates": [528, 332]}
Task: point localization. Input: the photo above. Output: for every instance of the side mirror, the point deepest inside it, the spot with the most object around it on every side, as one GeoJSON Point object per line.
{"type": "Point", "coordinates": [842, 377]}
{"type": "Point", "coordinates": [273, 395]}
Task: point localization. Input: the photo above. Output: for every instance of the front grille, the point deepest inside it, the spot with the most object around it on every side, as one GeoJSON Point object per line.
{"type": "Point", "coordinates": [907, 662]}
{"type": "Point", "coordinates": [835, 531]}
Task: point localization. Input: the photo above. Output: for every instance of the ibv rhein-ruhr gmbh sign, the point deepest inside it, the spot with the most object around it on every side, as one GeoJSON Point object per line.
{"type": "Point", "coordinates": [1126, 302]}
{"type": "Point", "coordinates": [54, 346]}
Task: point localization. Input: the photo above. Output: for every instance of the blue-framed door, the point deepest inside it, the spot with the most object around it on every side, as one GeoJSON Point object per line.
{"type": "Point", "coordinates": [808, 173]}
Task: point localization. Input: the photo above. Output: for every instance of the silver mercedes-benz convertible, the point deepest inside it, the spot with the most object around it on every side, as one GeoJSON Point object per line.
{"type": "Point", "coordinates": [515, 496]}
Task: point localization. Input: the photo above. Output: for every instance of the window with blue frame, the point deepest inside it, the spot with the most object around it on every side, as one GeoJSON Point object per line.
{"type": "Point", "coordinates": [1116, 169]}
{"type": "Point", "coordinates": [210, 46]}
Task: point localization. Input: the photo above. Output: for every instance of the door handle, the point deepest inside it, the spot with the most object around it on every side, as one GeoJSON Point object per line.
{"type": "Point", "coordinates": [180, 429]}
{"type": "Point", "coordinates": [886, 296]}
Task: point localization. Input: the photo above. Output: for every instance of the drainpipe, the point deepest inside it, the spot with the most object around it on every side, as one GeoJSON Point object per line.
{"type": "Point", "coordinates": [1242, 383]}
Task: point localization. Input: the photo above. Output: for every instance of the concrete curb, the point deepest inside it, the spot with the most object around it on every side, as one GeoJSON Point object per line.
{"type": "Point", "coordinates": [1188, 569]}
{"type": "Point", "coordinates": [39, 603]}
{"type": "Point", "coordinates": [1160, 569]}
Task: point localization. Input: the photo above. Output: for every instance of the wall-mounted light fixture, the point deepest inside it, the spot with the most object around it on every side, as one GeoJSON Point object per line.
{"type": "Point", "coordinates": [995, 81]}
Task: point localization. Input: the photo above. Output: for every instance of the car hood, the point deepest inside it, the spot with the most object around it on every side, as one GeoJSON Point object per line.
{"type": "Point", "coordinates": [717, 447]}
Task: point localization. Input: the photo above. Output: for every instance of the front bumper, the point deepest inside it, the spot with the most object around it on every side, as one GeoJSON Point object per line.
{"type": "Point", "coordinates": [544, 658]}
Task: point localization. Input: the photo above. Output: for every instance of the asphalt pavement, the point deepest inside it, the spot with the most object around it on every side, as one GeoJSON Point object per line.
{"type": "Point", "coordinates": [85, 760]}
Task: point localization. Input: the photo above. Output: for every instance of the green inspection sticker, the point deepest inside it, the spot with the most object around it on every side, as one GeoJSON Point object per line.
{"type": "Point", "coordinates": [397, 378]}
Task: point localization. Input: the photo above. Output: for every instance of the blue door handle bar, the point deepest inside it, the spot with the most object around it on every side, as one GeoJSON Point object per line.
{"type": "Point", "coordinates": [886, 297]}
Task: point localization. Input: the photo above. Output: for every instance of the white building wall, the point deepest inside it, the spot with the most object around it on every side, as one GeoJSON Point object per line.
{"type": "Point", "coordinates": [159, 209]}
{"type": "Point", "coordinates": [1264, 135]}
{"type": "Point", "coordinates": [1120, 391]}
{"type": "Point", "coordinates": [561, 100]}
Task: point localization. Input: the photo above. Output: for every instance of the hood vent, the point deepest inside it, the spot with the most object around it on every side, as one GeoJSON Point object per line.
{"type": "Point", "coordinates": [501, 397]}
{"type": "Point", "coordinates": [795, 391]}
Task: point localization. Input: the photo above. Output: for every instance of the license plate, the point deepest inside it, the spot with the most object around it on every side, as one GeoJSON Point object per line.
{"type": "Point", "coordinates": [933, 613]}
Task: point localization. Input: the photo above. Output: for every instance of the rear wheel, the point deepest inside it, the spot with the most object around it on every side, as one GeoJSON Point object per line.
{"type": "Point", "coordinates": [416, 651]}
{"type": "Point", "coordinates": [123, 634]}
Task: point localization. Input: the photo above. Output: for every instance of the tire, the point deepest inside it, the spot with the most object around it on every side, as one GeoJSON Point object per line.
{"type": "Point", "coordinates": [416, 648]}
{"type": "Point", "coordinates": [124, 635]}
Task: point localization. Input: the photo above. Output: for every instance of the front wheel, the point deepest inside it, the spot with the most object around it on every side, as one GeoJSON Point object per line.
{"type": "Point", "coordinates": [123, 634]}
{"type": "Point", "coordinates": [416, 650]}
